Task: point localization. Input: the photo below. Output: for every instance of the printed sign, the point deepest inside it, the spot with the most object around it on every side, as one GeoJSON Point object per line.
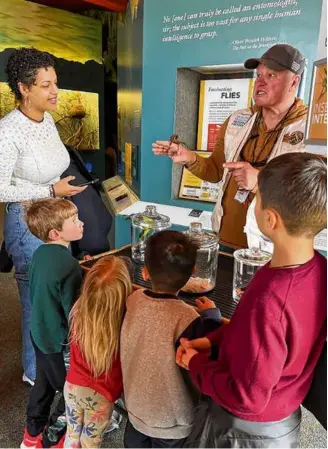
{"type": "Point", "coordinates": [193, 188]}
{"type": "Point", "coordinates": [316, 128]}
{"type": "Point", "coordinates": [218, 100]}
{"type": "Point", "coordinates": [128, 162]}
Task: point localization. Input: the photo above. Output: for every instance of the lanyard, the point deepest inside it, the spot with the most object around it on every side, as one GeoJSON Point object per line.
{"type": "Point", "coordinates": [255, 134]}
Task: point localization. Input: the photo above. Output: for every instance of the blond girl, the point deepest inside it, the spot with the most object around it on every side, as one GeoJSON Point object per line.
{"type": "Point", "coordinates": [94, 379]}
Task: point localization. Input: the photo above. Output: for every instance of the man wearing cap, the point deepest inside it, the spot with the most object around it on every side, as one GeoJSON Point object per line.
{"type": "Point", "coordinates": [247, 140]}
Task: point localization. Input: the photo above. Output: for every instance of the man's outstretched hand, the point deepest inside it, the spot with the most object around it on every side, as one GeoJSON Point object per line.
{"type": "Point", "coordinates": [177, 152]}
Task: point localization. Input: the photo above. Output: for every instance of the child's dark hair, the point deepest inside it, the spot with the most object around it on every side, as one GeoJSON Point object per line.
{"type": "Point", "coordinates": [295, 185]}
{"type": "Point", "coordinates": [170, 257]}
{"type": "Point", "coordinates": [23, 65]}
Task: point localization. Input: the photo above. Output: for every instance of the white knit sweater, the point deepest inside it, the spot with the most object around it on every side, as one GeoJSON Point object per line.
{"type": "Point", "coordinates": [32, 157]}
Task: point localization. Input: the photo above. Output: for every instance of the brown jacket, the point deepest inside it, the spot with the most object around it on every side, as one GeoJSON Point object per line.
{"type": "Point", "coordinates": [257, 148]}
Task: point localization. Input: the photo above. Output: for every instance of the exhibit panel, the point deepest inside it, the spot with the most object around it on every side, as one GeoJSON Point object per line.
{"type": "Point", "coordinates": [184, 45]}
{"type": "Point", "coordinates": [183, 34]}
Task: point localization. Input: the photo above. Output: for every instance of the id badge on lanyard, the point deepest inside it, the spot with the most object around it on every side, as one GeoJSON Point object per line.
{"type": "Point", "coordinates": [242, 195]}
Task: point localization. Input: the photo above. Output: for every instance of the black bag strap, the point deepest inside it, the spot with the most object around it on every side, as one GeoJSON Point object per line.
{"type": "Point", "coordinates": [6, 262]}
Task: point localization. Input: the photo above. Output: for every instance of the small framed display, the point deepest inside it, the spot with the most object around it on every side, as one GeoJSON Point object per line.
{"type": "Point", "coordinates": [119, 195]}
{"type": "Point", "coordinates": [316, 125]}
{"type": "Point", "coordinates": [193, 188]}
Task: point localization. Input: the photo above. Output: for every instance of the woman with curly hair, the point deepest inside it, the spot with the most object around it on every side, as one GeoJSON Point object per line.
{"type": "Point", "coordinates": [32, 161]}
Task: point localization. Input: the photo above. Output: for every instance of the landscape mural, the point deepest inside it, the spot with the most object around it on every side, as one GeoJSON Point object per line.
{"type": "Point", "coordinates": [76, 43]}
{"type": "Point", "coordinates": [76, 116]}
{"type": "Point", "coordinates": [65, 35]}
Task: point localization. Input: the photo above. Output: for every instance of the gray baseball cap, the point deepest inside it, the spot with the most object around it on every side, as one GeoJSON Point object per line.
{"type": "Point", "coordinates": [279, 57]}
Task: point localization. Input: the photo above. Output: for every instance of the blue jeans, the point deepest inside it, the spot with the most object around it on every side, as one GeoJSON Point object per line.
{"type": "Point", "coordinates": [21, 244]}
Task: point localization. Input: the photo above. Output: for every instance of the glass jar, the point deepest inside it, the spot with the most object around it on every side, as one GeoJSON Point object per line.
{"type": "Point", "coordinates": [144, 225]}
{"type": "Point", "coordinates": [203, 280]}
{"type": "Point", "coordinates": [246, 263]}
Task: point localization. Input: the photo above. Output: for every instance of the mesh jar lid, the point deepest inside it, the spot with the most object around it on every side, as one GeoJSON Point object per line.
{"type": "Point", "coordinates": [252, 256]}
{"type": "Point", "coordinates": [203, 238]}
{"type": "Point", "coordinates": [150, 218]}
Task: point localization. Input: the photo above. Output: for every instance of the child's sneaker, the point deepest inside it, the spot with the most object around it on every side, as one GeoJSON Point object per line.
{"type": "Point", "coordinates": [31, 442]}
{"type": "Point", "coordinates": [54, 435]}
{"type": "Point", "coordinates": [60, 443]}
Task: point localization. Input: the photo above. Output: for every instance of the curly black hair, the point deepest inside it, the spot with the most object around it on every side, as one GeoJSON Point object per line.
{"type": "Point", "coordinates": [23, 65]}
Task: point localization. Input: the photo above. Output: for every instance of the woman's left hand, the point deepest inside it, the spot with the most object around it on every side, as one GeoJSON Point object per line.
{"type": "Point", "coordinates": [64, 188]}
